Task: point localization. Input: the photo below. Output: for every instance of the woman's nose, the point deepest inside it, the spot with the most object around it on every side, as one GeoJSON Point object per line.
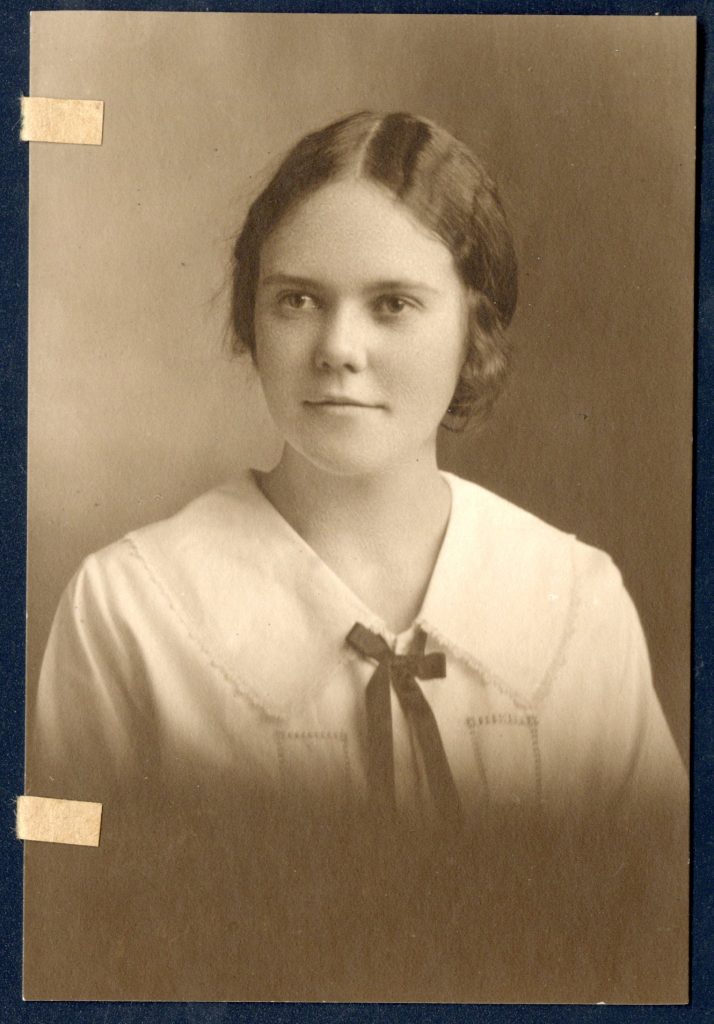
{"type": "Point", "coordinates": [342, 343]}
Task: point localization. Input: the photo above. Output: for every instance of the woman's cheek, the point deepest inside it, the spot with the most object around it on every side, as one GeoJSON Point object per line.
{"type": "Point", "coordinates": [272, 350]}
{"type": "Point", "coordinates": [284, 343]}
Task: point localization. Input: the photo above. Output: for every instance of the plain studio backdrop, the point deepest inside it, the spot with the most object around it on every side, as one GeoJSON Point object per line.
{"type": "Point", "coordinates": [587, 125]}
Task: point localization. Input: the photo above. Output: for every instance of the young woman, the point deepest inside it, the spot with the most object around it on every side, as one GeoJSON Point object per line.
{"type": "Point", "coordinates": [346, 699]}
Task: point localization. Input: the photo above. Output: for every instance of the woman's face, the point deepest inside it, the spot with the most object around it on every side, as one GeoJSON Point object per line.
{"type": "Point", "coordinates": [360, 327]}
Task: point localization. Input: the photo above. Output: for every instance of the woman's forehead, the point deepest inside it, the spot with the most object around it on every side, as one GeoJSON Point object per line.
{"type": "Point", "coordinates": [354, 230]}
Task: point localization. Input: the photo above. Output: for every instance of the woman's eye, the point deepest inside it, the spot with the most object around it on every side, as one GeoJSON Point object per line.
{"type": "Point", "coordinates": [393, 305]}
{"type": "Point", "coordinates": [297, 301]}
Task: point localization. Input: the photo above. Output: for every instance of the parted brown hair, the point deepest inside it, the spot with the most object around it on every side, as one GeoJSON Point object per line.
{"type": "Point", "coordinates": [445, 187]}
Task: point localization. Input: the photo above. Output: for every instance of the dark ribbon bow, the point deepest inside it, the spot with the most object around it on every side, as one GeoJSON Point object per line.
{"type": "Point", "coordinates": [401, 671]}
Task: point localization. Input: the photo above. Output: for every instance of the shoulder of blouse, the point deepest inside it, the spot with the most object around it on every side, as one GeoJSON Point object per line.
{"type": "Point", "coordinates": [518, 597]}
{"type": "Point", "coordinates": [229, 577]}
{"type": "Point", "coordinates": [204, 523]}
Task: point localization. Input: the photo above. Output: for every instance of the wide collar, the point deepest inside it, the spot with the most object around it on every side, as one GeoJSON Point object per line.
{"type": "Point", "coordinates": [273, 617]}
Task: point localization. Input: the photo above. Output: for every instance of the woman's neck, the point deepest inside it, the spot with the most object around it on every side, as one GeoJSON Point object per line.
{"type": "Point", "coordinates": [380, 533]}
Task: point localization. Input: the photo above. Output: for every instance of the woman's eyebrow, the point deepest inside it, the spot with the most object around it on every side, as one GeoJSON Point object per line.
{"type": "Point", "coordinates": [292, 280]}
{"type": "Point", "coordinates": [402, 285]}
{"type": "Point", "coordinates": [387, 285]}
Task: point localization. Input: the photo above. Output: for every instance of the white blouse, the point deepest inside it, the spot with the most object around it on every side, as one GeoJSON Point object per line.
{"type": "Point", "coordinates": [200, 665]}
{"type": "Point", "coordinates": [218, 637]}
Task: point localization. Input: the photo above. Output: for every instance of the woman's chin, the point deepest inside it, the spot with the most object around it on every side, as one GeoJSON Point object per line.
{"type": "Point", "coordinates": [338, 458]}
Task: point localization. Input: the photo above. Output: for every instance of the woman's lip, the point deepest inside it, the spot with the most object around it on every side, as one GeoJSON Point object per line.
{"type": "Point", "coordinates": [343, 402]}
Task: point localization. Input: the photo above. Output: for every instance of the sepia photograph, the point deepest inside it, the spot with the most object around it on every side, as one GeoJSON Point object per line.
{"type": "Point", "coordinates": [359, 508]}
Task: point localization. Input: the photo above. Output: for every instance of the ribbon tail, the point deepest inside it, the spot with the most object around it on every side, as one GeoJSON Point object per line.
{"type": "Point", "coordinates": [380, 761]}
{"type": "Point", "coordinates": [438, 772]}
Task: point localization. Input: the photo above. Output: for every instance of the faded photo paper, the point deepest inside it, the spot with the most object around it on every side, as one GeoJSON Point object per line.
{"type": "Point", "coordinates": [359, 509]}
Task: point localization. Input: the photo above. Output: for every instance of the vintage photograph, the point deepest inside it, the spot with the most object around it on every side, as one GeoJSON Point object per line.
{"type": "Point", "coordinates": [360, 422]}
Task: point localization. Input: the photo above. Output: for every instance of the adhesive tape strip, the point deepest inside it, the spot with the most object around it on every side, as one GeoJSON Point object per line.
{"type": "Point", "coordinates": [46, 820]}
{"type": "Point", "coordinates": [79, 122]}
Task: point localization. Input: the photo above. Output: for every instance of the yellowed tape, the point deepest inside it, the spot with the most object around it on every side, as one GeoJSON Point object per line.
{"type": "Point", "coordinates": [46, 820]}
{"type": "Point", "coordinates": [79, 122]}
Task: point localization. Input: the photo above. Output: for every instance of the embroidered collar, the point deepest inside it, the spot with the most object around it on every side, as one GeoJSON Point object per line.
{"type": "Point", "coordinates": [274, 617]}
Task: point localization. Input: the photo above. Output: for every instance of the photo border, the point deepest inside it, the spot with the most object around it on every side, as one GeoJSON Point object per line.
{"type": "Point", "coordinates": [14, 82]}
